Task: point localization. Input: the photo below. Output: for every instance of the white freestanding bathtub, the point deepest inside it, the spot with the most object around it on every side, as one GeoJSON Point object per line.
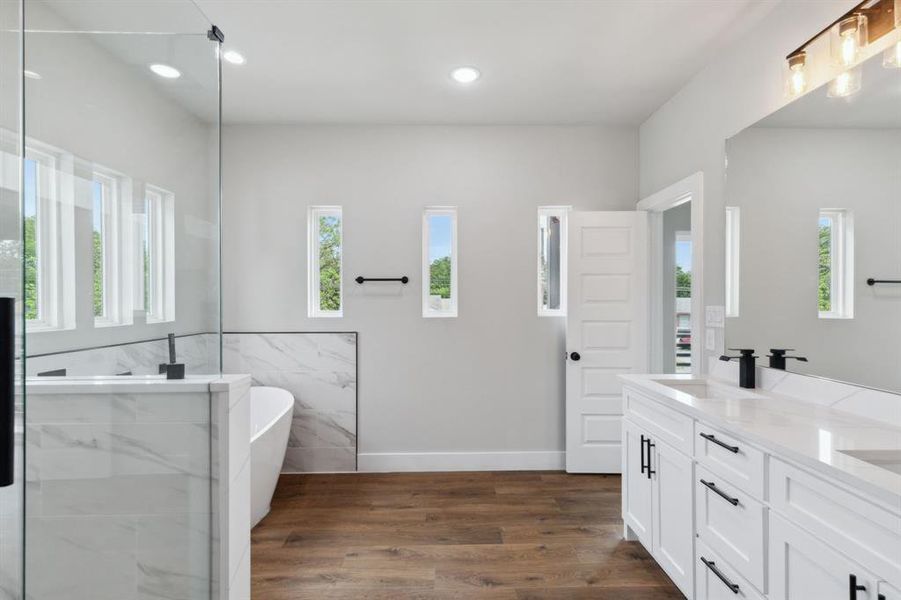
{"type": "Point", "coordinates": [271, 410]}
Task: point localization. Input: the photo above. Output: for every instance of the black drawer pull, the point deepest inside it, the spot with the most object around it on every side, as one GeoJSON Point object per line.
{"type": "Point", "coordinates": [712, 566]}
{"type": "Point", "coordinates": [650, 470]}
{"type": "Point", "coordinates": [712, 438]}
{"type": "Point", "coordinates": [853, 587]}
{"type": "Point", "coordinates": [721, 493]}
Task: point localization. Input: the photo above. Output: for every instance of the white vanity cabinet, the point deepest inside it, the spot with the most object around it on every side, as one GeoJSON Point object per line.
{"type": "Point", "coordinates": [728, 518]}
{"type": "Point", "coordinates": [657, 499]}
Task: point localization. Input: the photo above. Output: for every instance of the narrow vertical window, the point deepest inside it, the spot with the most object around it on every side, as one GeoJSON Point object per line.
{"type": "Point", "coordinates": [325, 255]}
{"type": "Point", "coordinates": [157, 256]}
{"type": "Point", "coordinates": [101, 192]}
{"type": "Point", "coordinates": [33, 285]}
{"type": "Point", "coordinates": [733, 259]}
{"type": "Point", "coordinates": [552, 261]}
{"type": "Point", "coordinates": [835, 284]}
{"type": "Point", "coordinates": [111, 224]}
{"type": "Point", "coordinates": [439, 262]}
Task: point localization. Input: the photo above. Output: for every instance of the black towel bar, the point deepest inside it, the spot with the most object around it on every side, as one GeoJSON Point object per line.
{"type": "Point", "coordinates": [362, 279]}
{"type": "Point", "coordinates": [872, 281]}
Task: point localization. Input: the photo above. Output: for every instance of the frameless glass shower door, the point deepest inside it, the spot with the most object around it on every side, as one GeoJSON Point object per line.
{"type": "Point", "coordinates": [109, 254]}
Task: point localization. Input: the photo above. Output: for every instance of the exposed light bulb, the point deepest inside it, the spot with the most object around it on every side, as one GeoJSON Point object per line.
{"type": "Point", "coordinates": [845, 84]}
{"type": "Point", "coordinates": [891, 58]}
{"type": "Point", "coordinates": [849, 48]}
{"type": "Point", "coordinates": [796, 83]}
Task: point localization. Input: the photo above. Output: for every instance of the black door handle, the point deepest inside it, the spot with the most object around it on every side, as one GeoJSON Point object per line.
{"type": "Point", "coordinates": [854, 587]}
{"type": "Point", "coordinates": [650, 470]}
{"type": "Point", "coordinates": [7, 390]}
{"type": "Point", "coordinates": [643, 465]}
{"type": "Point", "coordinates": [575, 355]}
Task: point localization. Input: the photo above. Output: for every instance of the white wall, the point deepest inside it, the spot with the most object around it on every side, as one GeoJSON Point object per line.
{"type": "Point", "coordinates": [738, 87]}
{"type": "Point", "coordinates": [781, 178]}
{"type": "Point", "coordinates": [490, 380]}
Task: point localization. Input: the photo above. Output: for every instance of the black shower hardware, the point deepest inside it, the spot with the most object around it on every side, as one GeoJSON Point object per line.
{"type": "Point", "coordinates": [7, 390]}
{"type": "Point", "coordinates": [747, 366]}
{"type": "Point", "coordinates": [778, 357]}
{"type": "Point", "coordinates": [403, 279]}
{"type": "Point", "coordinates": [872, 282]}
{"type": "Point", "coordinates": [172, 369]}
{"type": "Point", "coordinates": [53, 373]}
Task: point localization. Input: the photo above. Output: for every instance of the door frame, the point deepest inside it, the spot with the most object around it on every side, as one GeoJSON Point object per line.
{"type": "Point", "coordinates": [690, 189]}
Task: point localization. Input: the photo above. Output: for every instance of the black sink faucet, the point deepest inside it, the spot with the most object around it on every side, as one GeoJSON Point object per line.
{"type": "Point", "coordinates": [172, 369]}
{"type": "Point", "coordinates": [746, 367]}
{"type": "Point", "coordinates": [778, 357]}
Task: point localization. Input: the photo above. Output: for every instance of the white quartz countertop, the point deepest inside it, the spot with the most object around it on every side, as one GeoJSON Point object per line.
{"type": "Point", "coordinates": [801, 431]}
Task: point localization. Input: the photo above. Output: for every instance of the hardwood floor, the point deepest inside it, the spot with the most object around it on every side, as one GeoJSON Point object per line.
{"type": "Point", "coordinates": [437, 536]}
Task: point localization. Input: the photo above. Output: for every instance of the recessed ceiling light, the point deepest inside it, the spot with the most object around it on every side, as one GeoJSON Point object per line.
{"type": "Point", "coordinates": [165, 71]}
{"type": "Point", "coordinates": [31, 74]}
{"type": "Point", "coordinates": [234, 57]}
{"type": "Point", "coordinates": [465, 75]}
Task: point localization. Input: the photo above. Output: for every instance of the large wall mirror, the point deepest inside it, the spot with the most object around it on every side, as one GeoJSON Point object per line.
{"type": "Point", "coordinates": [813, 213]}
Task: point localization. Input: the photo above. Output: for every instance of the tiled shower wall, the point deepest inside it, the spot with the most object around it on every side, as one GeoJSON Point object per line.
{"type": "Point", "coordinates": [199, 352]}
{"type": "Point", "coordinates": [320, 370]}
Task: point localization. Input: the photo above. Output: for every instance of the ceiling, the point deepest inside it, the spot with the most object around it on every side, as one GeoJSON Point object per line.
{"type": "Point", "coordinates": [542, 61]}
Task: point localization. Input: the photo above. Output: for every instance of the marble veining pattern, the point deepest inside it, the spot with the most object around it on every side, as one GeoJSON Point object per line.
{"type": "Point", "coordinates": [118, 494]}
{"type": "Point", "coordinates": [320, 370]}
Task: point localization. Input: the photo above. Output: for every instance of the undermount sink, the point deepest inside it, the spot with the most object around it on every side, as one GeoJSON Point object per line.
{"type": "Point", "coordinates": [886, 459]}
{"type": "Point", "coordinates": [702, 388]}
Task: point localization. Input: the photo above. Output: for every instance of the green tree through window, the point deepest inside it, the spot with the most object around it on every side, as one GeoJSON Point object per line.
{"type": "Point", "coordinates": [825, 282]}
{"type": "Point", "coordinates": [440, 277]}
{"type": "Point", "coordinates": [329, 263]}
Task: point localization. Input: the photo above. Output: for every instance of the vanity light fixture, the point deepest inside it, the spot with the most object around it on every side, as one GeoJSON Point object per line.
{"type": "Point", "coordinates": [848, 36]}
{"type": "Point", "coordinates": [234, 57]}
{"type": "Point", "coordinates": [465, 75]}
{"type": "Point", "coordinates": [165, 71]}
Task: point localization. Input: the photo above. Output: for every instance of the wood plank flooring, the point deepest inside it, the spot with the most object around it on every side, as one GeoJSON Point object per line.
{"type": "Point", "coordinates": [437, 536]}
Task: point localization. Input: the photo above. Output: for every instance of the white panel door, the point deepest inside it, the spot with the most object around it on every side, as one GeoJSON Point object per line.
{"type": "Point", "coordinates": [673, 522]}
{"type": "Point", "coordinates": [803, 568]}
{"type": "Point", "coordinates": [606, 331]}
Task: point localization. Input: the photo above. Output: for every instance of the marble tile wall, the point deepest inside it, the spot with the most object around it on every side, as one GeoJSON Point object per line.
{"type": "Point", "coordinates": [118, 495]}
{"type": "Point", "coordinates": [199, 352]}
{"type": "Point", "coordinates": [320, 370]}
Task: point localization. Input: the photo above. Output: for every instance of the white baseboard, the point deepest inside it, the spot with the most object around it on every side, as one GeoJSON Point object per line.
{"type": "Point", "coordinates": [392, 462]}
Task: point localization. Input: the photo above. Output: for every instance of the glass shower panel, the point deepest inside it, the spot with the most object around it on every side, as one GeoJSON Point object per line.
{"type": "Point", "coordinates": [121, 189]}
{"type": "Point", "coordinates": [120, 214]}
{"type": "Point", "coordinates": [12, 470]}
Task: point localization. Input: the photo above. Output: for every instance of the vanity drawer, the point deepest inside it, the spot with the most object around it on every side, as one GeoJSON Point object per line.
{"type": "Point", "coordinates": [665, 423]}
{"type": "Point", "coordinates": [731, 522]}
{"type": "Point", "coordinates": [741, 464]}
{"type": "Point", "coordinates": [717, 579]}
{"type": "Point", "coordinates": [868, 533]}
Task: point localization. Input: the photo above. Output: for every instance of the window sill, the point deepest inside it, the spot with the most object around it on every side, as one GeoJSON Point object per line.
{"type": "Point", "coordinates": [39, 327]}
{"type": "Point", "coordinates": [107, 324]}
{"type": "Point", "coordinates": [835, 317]}
{"type": "Point", "coordinates": [327, 315]}
{"type": "Point", "coordinates": [437, 315]}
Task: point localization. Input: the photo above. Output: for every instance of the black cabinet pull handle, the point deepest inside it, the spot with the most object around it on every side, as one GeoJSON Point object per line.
{"type": "Point", "coordinates": [720, 493]}
{"type": "Point", "coordinates": [712, 438]}
{"type": "Point", "coordinates": [854, 587]}
{"type": "Point", "coordinates": [881, 597]}
{"type": "Point", "coordinates": [7, 391]}
{"type": "Point", "coordinates": [643, 465]}
{"type": "Point", "coordinates": [712, 566]}
{"type": "Point", "coordinates": [650, 470]}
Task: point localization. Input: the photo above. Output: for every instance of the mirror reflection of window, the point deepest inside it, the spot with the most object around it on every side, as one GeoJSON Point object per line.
{"type": "Point", "coordinates": [682, 304]}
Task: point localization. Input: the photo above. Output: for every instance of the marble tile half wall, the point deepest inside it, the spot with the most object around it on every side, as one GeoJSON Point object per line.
{"type": "Point", "coordinates": [320, 370]}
